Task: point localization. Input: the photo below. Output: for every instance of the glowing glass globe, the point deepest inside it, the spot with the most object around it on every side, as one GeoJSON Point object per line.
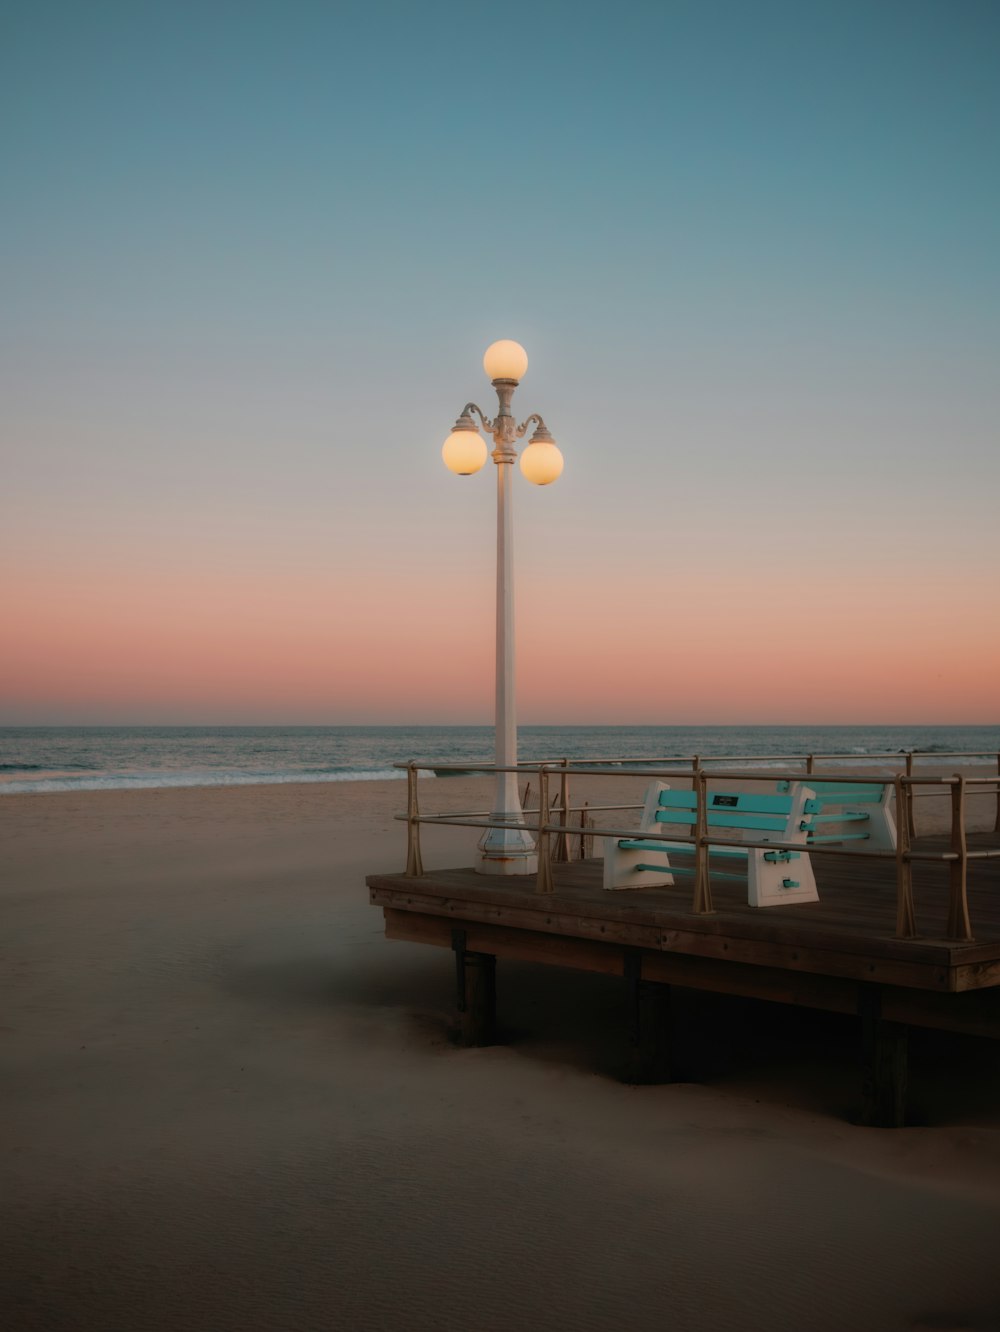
{"type": "Point", "coordinates": [541, 463]}
{"type": "Point", "coordinates": [505, 360]}
{"type": "Point", "coordinates": [464, 452]}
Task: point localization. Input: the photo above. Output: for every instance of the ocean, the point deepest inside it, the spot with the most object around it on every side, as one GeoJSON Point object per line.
{"type": "Point", "coordinates": [93, 758]}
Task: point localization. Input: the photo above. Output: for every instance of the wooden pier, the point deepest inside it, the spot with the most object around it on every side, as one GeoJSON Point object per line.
{"type": "Point", "coordinates": [839, 954]}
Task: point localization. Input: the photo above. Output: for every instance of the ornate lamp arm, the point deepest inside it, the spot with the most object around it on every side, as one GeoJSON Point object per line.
{"type": "Point", "coordinates": [502, 429]}
{"type": "Point", "coordinates": [541, 435]}
{"type": "Point", "coordinates": [471, 407]}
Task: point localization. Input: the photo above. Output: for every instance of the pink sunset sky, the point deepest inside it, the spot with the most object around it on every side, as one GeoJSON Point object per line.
{"type": "Point", "coordinates": [760, 301]}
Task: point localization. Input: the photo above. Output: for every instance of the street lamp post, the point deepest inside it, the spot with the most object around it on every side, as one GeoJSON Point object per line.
{"type": "Point", "coordinates": [507, 848]}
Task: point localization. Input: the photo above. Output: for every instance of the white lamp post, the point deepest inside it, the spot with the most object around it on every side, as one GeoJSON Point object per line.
{"type": "Point", "coordinates": [509, 848]}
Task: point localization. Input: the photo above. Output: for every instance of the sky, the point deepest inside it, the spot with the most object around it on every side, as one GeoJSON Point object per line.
{"type": "Point", "coordinates": [251, 255]}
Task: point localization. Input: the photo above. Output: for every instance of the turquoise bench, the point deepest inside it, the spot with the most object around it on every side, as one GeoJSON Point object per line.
{"type": "Point", "coordinates": [853, 815]}
{"type": "Point", "coordinates": [772, 877]}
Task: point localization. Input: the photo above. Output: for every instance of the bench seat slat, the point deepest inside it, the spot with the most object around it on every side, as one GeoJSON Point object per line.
{"type": "Point", "coordinates": [688, 869]}
{"type": "Point", "coordinates": [834, 837]}
{"type": "Point", "coordinates": [641, 845]}
{"type": "Point", "coordinates": [716, 874]}
{"type": "Point", "coordinates": [713, 851]}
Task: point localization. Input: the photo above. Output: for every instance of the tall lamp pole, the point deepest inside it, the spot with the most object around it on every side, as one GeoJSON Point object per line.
{"type": "Point", "coordinates": [508, 848]}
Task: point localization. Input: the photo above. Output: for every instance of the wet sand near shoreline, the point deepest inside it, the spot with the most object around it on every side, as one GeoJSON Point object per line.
{"type": "Point", "coordinates": [229, 1102]}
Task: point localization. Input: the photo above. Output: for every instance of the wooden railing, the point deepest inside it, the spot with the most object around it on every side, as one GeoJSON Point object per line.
{"type": "Point", "coordinates": [553, 830]}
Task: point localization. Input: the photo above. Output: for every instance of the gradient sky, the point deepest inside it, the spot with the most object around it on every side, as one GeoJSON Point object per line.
{"type": "Point", "coordinates": [251, 254]}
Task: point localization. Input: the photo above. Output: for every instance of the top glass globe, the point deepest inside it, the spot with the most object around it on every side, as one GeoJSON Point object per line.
{"type": "Point", "coordinates": [505, 360]}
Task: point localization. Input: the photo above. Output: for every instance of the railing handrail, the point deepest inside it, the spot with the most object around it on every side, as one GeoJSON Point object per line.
{"type": "Point", "coordinates": [531, 765]}
{"type": "Point", "coordinates": [773, 774]}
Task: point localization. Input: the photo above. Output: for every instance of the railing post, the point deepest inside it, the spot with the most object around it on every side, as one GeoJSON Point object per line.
{"type": "Point", "coordinates": [702, 903]}
{"type": "Point", "coordinates": [910, 824]}
{"type": "Point", "coordinates": [905, 922]}
{"type": "Point", "coordinates": [996, 825]}
{"type": "Point", "coordinates": [543, 883]}
{"type": "Point", "coordinates": [583, 830]}
{"type": "Point", "coordinates": [562, 850]}
{"type": "Point", "coordinates": [810, 763]}
{"type": "Point", "coordinates": [959, 926]}
{"type": "Point", "coordinates": [414, 863]}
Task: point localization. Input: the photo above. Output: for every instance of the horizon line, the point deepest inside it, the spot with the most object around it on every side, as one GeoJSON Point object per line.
{"type": "Point", "coordinates": [488, 725]}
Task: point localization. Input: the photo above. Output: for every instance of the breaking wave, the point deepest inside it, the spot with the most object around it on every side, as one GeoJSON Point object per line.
{"type": "Point", "coordinates": [161, 780]}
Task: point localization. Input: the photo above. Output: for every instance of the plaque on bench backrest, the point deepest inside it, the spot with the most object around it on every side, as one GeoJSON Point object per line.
{"type": "Point", "coordinates": [731, 800]}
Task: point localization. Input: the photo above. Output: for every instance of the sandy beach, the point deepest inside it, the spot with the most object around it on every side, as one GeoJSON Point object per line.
{"type": "Point", "coordinates": [228, 1102]}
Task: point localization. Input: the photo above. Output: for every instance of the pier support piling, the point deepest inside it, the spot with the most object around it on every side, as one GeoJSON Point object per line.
{"type": "Point", "coordinates": [476, 994]}
{"type": "Point", "coordinates": [649, 1025]}
{"type": "Point", "coordinates": [885, 1048]}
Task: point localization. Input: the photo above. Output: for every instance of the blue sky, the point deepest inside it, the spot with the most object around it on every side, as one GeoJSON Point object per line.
{"type": "Point", "coordinates": [251, 254]}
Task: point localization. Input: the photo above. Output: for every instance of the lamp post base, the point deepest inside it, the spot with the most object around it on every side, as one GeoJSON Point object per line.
{"type": "Point", "coordinates": [507, 851]}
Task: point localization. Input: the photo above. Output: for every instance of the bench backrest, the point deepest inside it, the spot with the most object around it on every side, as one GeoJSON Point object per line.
{"type": "Point", "coordinates": [849, 806]}
{"type": "Point", "coordinates": [843, 793]}
{"type": "Point", "coordinates": [747, 810]}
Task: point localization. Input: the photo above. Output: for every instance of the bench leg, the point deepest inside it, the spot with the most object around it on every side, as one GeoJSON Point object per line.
{"type": "Point", "coordinates": [885, 1047]}
{"type": "Point", "coordinates": [649, 1023]}
{"type": "Point", "coordinates": [476, 994]}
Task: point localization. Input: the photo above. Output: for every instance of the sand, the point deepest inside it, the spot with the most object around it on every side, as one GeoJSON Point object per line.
{"type": "Point", "coordinates": [228, 1102]}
